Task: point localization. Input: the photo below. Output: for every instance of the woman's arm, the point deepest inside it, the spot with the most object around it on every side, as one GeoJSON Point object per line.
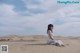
{"type": "Point", "coordinates": [50, 35]}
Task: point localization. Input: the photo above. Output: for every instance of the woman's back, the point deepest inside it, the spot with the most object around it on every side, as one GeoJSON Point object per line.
{"type": "Point", "coordinates": [50, 34]}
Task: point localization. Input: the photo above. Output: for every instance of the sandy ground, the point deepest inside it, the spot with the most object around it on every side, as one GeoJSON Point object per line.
{"type": "Point", "coordinates": [37, 44]}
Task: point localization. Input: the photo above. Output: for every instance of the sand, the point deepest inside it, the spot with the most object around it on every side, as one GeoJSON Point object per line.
{"type": "Point", "coordinates": [37, 44]}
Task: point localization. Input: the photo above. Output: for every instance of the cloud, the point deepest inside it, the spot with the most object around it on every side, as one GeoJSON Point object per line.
{"type": "Point", "coordinates": [7, 10]}
{"type": "Point", "coordinates": [39, 6]}
{"type": "Point", "coordinates": [68, 29]}
{"type": "Point", "coordinates": [65, 18]}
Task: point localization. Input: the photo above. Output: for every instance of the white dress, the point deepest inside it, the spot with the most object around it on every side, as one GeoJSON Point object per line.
{"type": "Point", "coordinates": [50, 41]}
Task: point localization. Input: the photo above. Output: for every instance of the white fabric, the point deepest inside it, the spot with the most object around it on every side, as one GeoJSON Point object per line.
{"type": "Point", "coordinates": [50, 41]}
{"type": "Point", "coordinates": [55, 41]}
{"type": "Point", "coordinates": [60, 42]}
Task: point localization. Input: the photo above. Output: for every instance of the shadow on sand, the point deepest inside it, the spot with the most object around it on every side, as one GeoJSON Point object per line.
{"type": "Point", "coordinates": [38, 44]}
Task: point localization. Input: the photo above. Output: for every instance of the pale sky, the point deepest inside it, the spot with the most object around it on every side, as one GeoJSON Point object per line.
{"type": "Point", "coordinates": [30, 17]}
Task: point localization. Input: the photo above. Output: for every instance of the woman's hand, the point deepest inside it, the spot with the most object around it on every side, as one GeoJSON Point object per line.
{"type": "Point", "coordinates": [52, 37]}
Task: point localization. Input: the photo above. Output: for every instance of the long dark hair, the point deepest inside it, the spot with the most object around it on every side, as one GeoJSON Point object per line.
{"type": "Point", "coordinates": [49, 28]}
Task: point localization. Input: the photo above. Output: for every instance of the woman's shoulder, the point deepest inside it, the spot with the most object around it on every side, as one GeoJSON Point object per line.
{"type": "Point", "coordinates": [49, 31]}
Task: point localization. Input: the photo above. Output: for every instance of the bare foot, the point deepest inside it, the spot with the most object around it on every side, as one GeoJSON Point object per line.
{"type": "Point", "coordinates": [63, 45]}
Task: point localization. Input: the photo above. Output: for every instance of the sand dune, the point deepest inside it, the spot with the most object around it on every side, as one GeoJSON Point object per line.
{"type": "Point", "coordinates": [37, 44]}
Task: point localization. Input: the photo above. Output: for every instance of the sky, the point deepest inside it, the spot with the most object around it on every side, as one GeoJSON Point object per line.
{"type": "Point", "coordinates": [31, 17]}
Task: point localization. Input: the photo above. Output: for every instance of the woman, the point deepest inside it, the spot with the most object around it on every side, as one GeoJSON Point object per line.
{"type": "Point", "coordinates": [51, 39]}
